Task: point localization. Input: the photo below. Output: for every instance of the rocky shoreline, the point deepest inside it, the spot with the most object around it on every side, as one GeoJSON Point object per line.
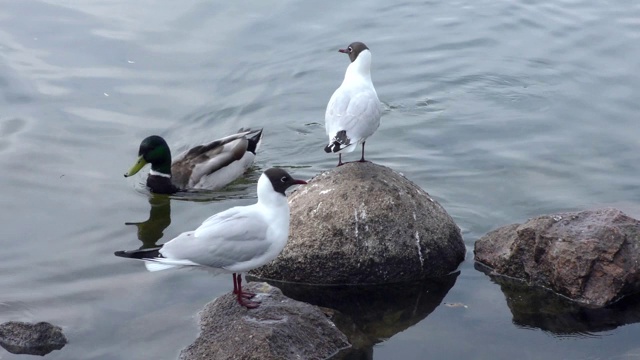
{"type": "Point", "coordinates": [366, 245]}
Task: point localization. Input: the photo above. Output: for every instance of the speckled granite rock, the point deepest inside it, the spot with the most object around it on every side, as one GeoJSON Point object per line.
{"type": "Point", "coordinates": [591, 257]}
{"type": "Point", "coordinates": [363, 223]}
{"type": "Point", "coordinates": [33, 339]}
{"type": "Point", "coordinates": [281, 328]}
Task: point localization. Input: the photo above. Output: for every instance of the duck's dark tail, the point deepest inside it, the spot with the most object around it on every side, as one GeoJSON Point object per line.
{"type": "Point", "coordinates": [254, 141]}
{"type": "Point", "coordinates": [339, 142]}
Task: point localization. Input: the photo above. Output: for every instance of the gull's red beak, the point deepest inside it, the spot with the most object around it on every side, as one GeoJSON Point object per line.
{"type": "Point", "coordinates": [344, 51]}
{"type": "Point", "coordinates": [299, 182]}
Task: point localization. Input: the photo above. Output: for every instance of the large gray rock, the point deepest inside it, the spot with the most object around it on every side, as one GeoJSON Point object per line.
{"type": "Point", "coordinates": [590, 257]}
{"type": "Point", "coordinates": [363, 223]}
{"type": "Point", "coordinates": [33, 339]}
{"type": "Point", "coordinates": [281, 328]}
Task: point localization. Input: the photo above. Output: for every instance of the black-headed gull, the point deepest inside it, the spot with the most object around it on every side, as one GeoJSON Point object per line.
{"type": "Point", "coordinates": [233, 241]}
{"type": "Point", "coordinates": [353, 112]}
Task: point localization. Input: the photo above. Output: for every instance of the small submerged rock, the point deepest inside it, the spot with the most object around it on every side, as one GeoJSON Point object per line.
{"type": "Point", "coordinates": [33, 339]}
{"type": "Point", "coordinates": [363, 223]}
{"type": "Point", "coordinates": [591, 257]}
{"type": "Point", "coordinates": [280, 328]}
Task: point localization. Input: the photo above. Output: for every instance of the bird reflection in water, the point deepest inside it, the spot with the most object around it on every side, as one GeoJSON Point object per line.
{"type": "Point", "coordinates": [151, 230]}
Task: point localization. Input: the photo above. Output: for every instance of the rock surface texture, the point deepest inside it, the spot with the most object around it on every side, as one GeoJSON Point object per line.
{"type": "Point", "coordinates": [590, 257]}
{"type": "Point", "coordinates": [281, 328]}
{"type": "Point", "coordinates": [33, 339]}
{"type": "Point", "coordinates": [363, 223]}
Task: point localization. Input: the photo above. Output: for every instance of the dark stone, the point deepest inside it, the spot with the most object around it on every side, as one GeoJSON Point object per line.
{"type": "Point", "coordinates": [280, 328]}
{"type": "Point", "coordinates": [590, 257]}
{"type": "Point", "coordinates": [370, 314]}
{"type": "Point", "coordinates": [33, 339]}
{"type": "Point", "coordinates": [363, 223]}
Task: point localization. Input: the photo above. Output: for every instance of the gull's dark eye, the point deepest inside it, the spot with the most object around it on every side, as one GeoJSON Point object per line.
{"type": "Point", "coordinates": [284, 179]}
{"type": "Point", "coordinates": [350, 49]}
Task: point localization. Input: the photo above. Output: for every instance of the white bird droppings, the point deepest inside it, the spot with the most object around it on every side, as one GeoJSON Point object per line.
{"type": "Point", "coordinates": [363, 212]}
{"type": "Point", "coordinates": [363, 216]}
{"type": "Point", "coordinates": [317, 207]}
{"type": "Point", "coordinates": [355, 212]}
{"type": "Point", "coordinates": [267, 322]}
{"type": "Point", "coordinates": [419, 251]}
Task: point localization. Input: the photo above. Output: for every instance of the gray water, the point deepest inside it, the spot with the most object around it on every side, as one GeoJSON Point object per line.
{"type": "Point", "coordinates": [501, 110]}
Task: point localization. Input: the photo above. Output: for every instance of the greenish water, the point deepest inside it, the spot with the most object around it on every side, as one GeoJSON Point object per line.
{"type": "Point", "coordinates": [501, 110]}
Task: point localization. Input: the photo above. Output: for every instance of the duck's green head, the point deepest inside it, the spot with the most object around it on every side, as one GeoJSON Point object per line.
{"type": "Point", "coordinates": [155, 151]}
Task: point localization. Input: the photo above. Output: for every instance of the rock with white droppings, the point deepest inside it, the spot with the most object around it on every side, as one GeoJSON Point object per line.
{"type": "Point", "coordinates": [374, 226]}
{"type": "Point", "coordinates": [280, 328]}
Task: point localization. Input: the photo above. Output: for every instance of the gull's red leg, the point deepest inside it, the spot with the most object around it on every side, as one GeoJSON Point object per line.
{"type": "Point", "coordinates": [362, 158]}
{"type": "Point", "coordinates": [235, 284]}
{"type": "Point", "coordinates": [244, 294]}
{"type": "Point", "coordinates": [243, 297]}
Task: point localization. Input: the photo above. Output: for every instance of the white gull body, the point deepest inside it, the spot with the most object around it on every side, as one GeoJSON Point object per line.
{"type": "Point", "coordinates": [235, 240]}
{"type": "Point", "coordinates": [353, 108]}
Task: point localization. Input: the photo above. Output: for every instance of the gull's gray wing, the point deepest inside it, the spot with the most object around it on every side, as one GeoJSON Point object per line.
{"type": "Point", "coordinates": [222, 241]}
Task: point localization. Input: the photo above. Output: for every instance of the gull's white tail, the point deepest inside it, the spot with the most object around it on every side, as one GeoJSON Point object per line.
{"type": "Point", "coordinates": [156, 266]}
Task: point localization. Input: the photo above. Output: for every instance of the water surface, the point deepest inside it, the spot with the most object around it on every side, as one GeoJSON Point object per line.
{"type": "Point", "coordinates": [501, 110]}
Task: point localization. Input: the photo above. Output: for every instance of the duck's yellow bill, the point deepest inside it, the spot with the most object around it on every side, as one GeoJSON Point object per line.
{"type": "Point", "coordinates": [136, 167]}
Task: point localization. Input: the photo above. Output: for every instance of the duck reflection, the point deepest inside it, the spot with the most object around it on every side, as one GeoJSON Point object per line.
{"type": "Point", "coordinates": [368, 315]}
{"type": "Point", "coordinates": [536, 307]}
{"type": "Point", "coordinates": [151, 230]}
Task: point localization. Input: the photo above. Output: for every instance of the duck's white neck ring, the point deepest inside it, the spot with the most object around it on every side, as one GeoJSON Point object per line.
{"type": "Point", "coordinates": [157, 173]}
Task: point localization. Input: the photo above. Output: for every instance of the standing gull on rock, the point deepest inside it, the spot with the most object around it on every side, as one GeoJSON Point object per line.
{"type": "Point", "coordinates": [210, 166]}
{"type": "Point", "coordinates": [234, 241]}
{"type": "Point", "coordinates": [353, 113]}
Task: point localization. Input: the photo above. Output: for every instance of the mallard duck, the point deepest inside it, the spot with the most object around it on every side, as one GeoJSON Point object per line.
{"type": "Point", "coordinates": [210, 166]}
